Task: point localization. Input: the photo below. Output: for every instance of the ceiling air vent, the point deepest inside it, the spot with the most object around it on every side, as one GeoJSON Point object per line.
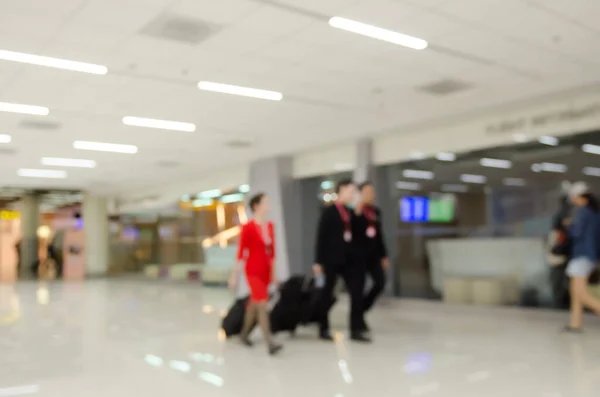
{"type": "Point", "coordinates": [444, 87]}
{"type": "Point", "coordinates": [238, 144]}
{"type": "Point", "coordinates": [39, 125]}
{"type": "Point", "coordinates": [180, 28]}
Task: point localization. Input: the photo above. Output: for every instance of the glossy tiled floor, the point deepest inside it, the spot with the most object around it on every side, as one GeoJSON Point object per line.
{"type": "Point", "coordinates": [130, 338]}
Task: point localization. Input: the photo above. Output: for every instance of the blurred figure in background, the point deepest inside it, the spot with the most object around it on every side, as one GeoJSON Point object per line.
{"type": "Point", "coordinates": [584, 231]}
{"type": "Point", "coordinates": [374, 253]}
{"type": "Point", "coordinates": [559, 251]}
{"type": "Point", "coordinates": [257, 252]}
{"type": "Point", "coordinates": [338, 239]}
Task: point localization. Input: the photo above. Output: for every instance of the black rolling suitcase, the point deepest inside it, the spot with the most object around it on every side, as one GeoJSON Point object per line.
{"type": "Point", "coordinates": [233, 322]}
{"type": "Point", "coordinates": [287, 312]}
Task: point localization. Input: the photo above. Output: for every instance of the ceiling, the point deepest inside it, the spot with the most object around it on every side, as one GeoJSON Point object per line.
{"type": "Point", "coordinates": [337, 86]}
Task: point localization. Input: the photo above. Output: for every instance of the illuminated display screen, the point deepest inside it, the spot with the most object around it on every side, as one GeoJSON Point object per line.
{"type": "Point", "coordinates": [425, 209]}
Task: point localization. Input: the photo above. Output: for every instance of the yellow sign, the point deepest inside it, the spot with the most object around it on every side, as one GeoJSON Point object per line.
{"type": "Point", "coordinates": [8, 215]}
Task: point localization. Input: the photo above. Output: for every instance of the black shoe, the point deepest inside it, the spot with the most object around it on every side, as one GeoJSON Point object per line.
{"type": "Point", "coordinates": [572, 330]}
{"type": "Point", "coordinates": [365, 327]}
{"type": "Point", "coordinates": [360, 337]}
{"type": "Point", "coordinates": [326, 336]}
{"type": "Point", "coordinates": [247, 342]}
{"type": "Point", "coordinates": [274, 349]}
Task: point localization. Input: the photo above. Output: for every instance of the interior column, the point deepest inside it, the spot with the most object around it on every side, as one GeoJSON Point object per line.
{"type": "Point", "coordinates": [95, 223]}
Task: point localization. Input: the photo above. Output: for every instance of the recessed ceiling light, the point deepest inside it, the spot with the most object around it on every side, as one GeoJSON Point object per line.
{"type": "Point", "coordinates": [213, 193]}
{"type": "Point", "coordinates": [232, 198]}
{"type": "Point", "coordinates": [514, 182]}
{"type": "Point", "coordinates": [418, 174]}
{"type": "Point", "coordinates": [52, 62]}
{"type": "Point", "coordinates": [592, 149]}
{"type": "Point", "coordinates": [241, 91]}
{"type": "Point", "coordinates": [326, 185]}
{"type": "Point", "coordinates": [403, 185]}
{"type": "Point", "coordinates": [378, 33]}
{"type": "Point", "coordinates": [5, 138]}
{"type": "Point", "coordinates": [549, 167]}
{"type": "Point", "coordinates": [521, 138]}
{"type": "Point", "coordinates": [33, 173]}
{"type": "Point", "coordinates": [591, 171]}
{"type": "Point", "coordinates": [204, 202]}
{"type": "Point", "coordinates": [445, 156]}
{"type": "Point", "coordinates": [455, 188]}
{"type": "Point", "coordinates": [495, 163]}
{"type": "Point", "coordinates": [61, 162]}
{"type": "Point", "coordinates": [548, 140]}
{"type": "Point", "coordinates": [24, 109]}
{"type": "Point", "coordinates": [159, 124]}
{"type": "Point", "coordinates": [244, 188]}
{"type": "Point", "coordinates": [471, 178]}
{"type": "Point", "coordinates": [105, 147]}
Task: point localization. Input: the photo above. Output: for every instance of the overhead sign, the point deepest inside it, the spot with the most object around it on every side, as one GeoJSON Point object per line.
{"type": "Point", "coordinates": [8, 215]}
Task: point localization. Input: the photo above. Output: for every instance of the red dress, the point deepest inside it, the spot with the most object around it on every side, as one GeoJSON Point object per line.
{"type": "Point", "coordinates": [258, 251]}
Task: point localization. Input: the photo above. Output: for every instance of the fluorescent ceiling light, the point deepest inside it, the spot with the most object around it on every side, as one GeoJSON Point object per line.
{"type": "Point", "coordinates": [33, 173]}
{"type": "Point", "coordinates": [378, 33]}
{"type": "Point", "coordinates": [403, 185]}
{"type": "Point", "coordinates": [548, 140]}
{"type": "Point", "coordinates": [232, 198]}
{"type": "Point", "coordinates": [159, 124]}
{"type": "Point", "coordinates": [470, 178]}
{"type": "Point", "coordinates": [244, 188]}
{"type": "Point", "coordinates": [53, 62]}
{"type": "Point", "coordinates": [592, 149]}
{"type": "Point", "coordinates": [514, 182]}
{"type": "Point", "coordinates": [19, 390]}
{"type": "Point", "coordinates": [5, 138]}
{"type": "Point", "coordinates": [60, 162]}
{"type": "Point", "coordinates": [418, 174]}
{"type": "Point", "coordinates": [105, 147]}
{"type": "Point", "coordinates": [445, 156]}
{"type": "Point", "coordinates": [418, 156]}
{"type": "Point", "coordinates": [213, 193]}
{"type": "Point", "coordinates": [455, 188]}
{"type": "Point", "coordinates": [204, 202]}
{"type": "Point", "coordinates": [24, 109]}
{"type": "Point", "coordinates": [591, 171]}
{"type": "Point", "coordinates": [495, 163]}
{"type": "Point", "coordinates": [549, 167]}
{"type": "Point", "coordinates": [241, 91]}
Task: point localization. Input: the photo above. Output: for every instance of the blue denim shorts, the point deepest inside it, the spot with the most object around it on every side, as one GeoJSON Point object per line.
{"type": "Point", "coordinates": [580, 267]}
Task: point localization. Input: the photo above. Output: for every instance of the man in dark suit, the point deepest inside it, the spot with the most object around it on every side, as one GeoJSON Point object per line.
{"type": "Point", "coordinates": [336, 248]}
{"type": "Point", "coordinates": [373, 252]}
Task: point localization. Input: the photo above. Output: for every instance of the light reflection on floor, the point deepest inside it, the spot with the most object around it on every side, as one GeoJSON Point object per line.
{"type": "Point", "coordinates": [121, 338]}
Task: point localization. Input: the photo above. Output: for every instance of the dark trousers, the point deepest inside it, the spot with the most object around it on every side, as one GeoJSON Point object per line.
{"type": "Point", "coordinates": [354, 278]}
{"type": "Point", "coordinates": [377, 274]}
{"type": "Point", "coordinates": [560, 286]}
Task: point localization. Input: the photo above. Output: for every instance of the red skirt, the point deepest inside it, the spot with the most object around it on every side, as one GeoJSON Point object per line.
{"type": "Point", "coordinates": [259, 287]}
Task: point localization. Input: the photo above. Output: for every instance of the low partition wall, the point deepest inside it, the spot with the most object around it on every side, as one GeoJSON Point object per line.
{"type": "Point", "coordinates": [518, 260]}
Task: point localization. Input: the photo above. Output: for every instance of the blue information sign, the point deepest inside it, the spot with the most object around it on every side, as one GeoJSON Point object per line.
{"type": "Point", "coordinates": [414, 209]}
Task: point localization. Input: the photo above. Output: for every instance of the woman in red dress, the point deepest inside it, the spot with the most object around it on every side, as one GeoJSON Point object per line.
{"type": "Point", "coordinates": [257, 251]}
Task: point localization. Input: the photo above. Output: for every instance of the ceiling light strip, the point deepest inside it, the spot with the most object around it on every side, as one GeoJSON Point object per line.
{"type": "Point", "coordinates": [495, 163]}
{"type": "Point", "coordinates": [56, 63]}
{"type": "Point", "coordinates": [591, 171]}
{"type": "Point", "coordinates": [240, 91]}
{"type": "Point", "coordinates": [24, 109]}
{"type": "Point", "coordinates": [592, 149]}
{"type": "Point", "coordinates": [63, 162]}
{"type": "Point", "coordinates": [515, 182]}
{"type": "Point", "coordinates": [375, 32]}
{"type": "Point", "coordinates": [471, 178]}
{"type": "Point", "coordinates": [418, 174]}
{"type": "Point", "coordinates": [105, 147]}
{"type": "Point", "coordinates": [159, 124]}
{"type": "Point", "coordinates": [34, 173]}
{"type": "Point", "coordinates": [5, 138]}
